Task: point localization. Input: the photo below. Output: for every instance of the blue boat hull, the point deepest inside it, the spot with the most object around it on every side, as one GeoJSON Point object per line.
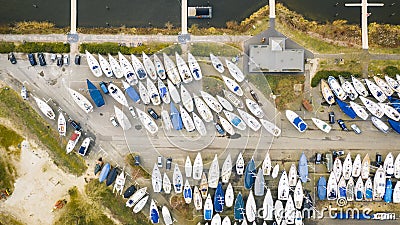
{"type": "Point", "coordinates": [250, 174]}
{"type": "Point", "coordinates": [219, 199]}
{"type": "Point", "coordinates": [104, 172]}
{"type": "Point", "coordinates": [346, 109]}
{"type": "Point", "coordinates": [395, 125]}
{"type": "Point", "coordinates": [395, 102]}
{"type": "Point", "coordinates": [95, 94]}
{"type": "Point", "coordinates": [175, 117]}
{"type": "Point", "coordinates": [239, 208]}
{"type": "Point", "coordinates": [388, 192]}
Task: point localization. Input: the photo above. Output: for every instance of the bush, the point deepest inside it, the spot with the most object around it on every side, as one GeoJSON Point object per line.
{"type": "Point", "coordinates": [51, 47]}
{"type": "Point", "coordinates": [6, 47]}
{"type": "Point", "coordinates": [114, 48]}
{"type": "Point", "coordinates": [391, 71]}
{"type": "Point", "coordinates": [324, 74]}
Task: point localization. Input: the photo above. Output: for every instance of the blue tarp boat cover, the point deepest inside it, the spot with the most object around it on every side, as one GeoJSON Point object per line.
{"type": "Point", "coordinates": [175, 117]}
{"type": "Point", "coordinates": [132, 93]}
{"type": "Point", "coordinates": [346, 109]}
{"type": "Point", "coordinates": [388, 191]}
{"type": "Point", "coordinates": [395, 125]}
{"type": "Point", "coordinates": [104, 172]}
{"type": "Point", "coordinates": [250, 174]}
{"type": "Point", "coordinates": [95, 94]}
{"type": "Point", "coordinates": [321, 188]}
{"type": "Point", "coordinates": [303, 168]}
{"type": "Point", "coordinates": [395, 103]}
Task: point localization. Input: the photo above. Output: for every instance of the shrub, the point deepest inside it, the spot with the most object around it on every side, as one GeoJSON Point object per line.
{"type": "Point", "coordinates": [324, 74]}
{"type": "Point", "coordinates": [6, 47]}
{"type": "Point", "coordinates": [391, 71]}
{"type": "Point", "coordinates": [51, 47]}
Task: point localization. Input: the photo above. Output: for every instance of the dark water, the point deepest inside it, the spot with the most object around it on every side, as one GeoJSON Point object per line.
{"type": "Point", "coordinates": [140, 13]}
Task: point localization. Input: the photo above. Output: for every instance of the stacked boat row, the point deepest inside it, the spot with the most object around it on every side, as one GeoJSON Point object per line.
{"type": "Point", "coordinates": [253, 181]}
{"type": "Point", "coordinates": [341, 183]}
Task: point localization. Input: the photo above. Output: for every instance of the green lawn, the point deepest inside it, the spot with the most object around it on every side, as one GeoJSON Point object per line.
{"type": "Point", "coordinates": [204, 49]}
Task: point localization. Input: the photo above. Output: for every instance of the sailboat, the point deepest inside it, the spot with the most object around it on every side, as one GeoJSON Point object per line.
{"type": "Point", "coordinates": [383, 86]}
{"type": "Point", "coordinates": [147, 122]}
{"type": "Point", "coordinates": [239, 210]}
{"type": "Point", "coordinates": [233, 99]}
{"type": "Point", "coordinates": [233, 86]}
{"type": "Point", "coordinates": [251, 210]}
{"type": "Point", "coordinates": [348, 88]}
{"type": "Point", "coordinates": [379, 184]}
{"type": "Point", "coordinates": [199, 124]}
{"type": "Point", "coordinates": [394, 84]}
{"type": "Point", "coordinates": [197, 167]}
{"type": "Point", "coordinates": [117, 94]}
{"type": "Point", "coordinates": [229, 196]}
{"type": "Point", "coordinates": [254, 108]}
{"type": "Point", "coordinates": [173, 92]}
{"type": "Point", "coordinates": [216, 220]}
{"type": "Point", "coordinates": [194, 67]}
{"type": "Point", "coordinates": [171, 70]}
{"type": "Point", "coordinates": [347, 167]}
{"type": "Point", "coordinates": [346, 109]}
{"type": "Point", "coordinates": [372, 107]}
{"type": "Point", "coordinates": [183, 69]}
{"type": "Point", "coordinates": [187, 192]}
{"type": "Point", "coordinates": [283, 187]}
{"type": "Point", "coordinates": [136, 197]}
{"type": "Point", "coordinates": [388, 164]}
{"type": "Point", "coordinates": [219, 199]}
{"type": "Point", "coordinates": [217, 64]}
{"type": "Point", "coordinates": [177, 179]}
{"type": "Point", "coordinates": [271, 128]}
{"type": "Point", "coordinates": [296, 121]}
{"type": "Point", "coordinates": [208, 208]}
{"type": "Point", "coordinates": [120, 183]}
{"type": "Point", "coordinates": [368, 193]}
{"type": "Point", "coordinates": [249, 120]}
{"type": "Point", "coordinates": [152, 92]}
{"type": "Point", "coordinates": [166, 184]}
{"type": "Point", "coordinates": [388, 197]}
{"type": "Point", "coordinates": [127, 69]}
{"type": "Point", "coordinates": [211, 102]}
{"type": "Point", "coordinates": [129, 191]}
{"type": "Point", "coordinates": [159, 67]}
{"type": "Point", "coordinates": [397, 167]}
{"type": "Point", "coordinates": [176, 118]}
{"type": "Point", "coordinates": [187, 99]}
{"type": "Point", "coordinates": [357, 165]}
{"type": "Point", "coordinates": [202, 109]}
{"type": "Point", "coordinates": [240, 164]}
{"type": "Point", "coordinates": [359, 110]}
{"type": "Point", "coordinates": [332, 187]}
{"type": "Point", "coordinates": [105, 66]}
{"type": "Point", "coordinates": [336, 88]}
{"type": "Point", "coordinates": [81, 101]}
{"type": "Point", "coordinates": [342, 188]}
{"type": "Point", "coordinates": [359, 86]}
{"type": "Point", "coordinates": [84, 146]}
{"type": "Point", "coordinates": [279, 211]}
{"type": "Point", "coordinates": [234, 71]}
{"type": "Point", "coordinates": [327, 93]}
{"type": "Point", "coordinates": [166, 216]}
{"type": "Point", "coordinates": [188, 167]}
{"type": "Point", "coordinates": [376, 91]}
{"type": "Point", "coordinates": [156, 179]}
{"type": "Point", "coordinates": [389, 111]}
{"type": "Point", "coordinates": [268, 206]}
{"type": "Point", "coordinates": [359, 190]}
{"type": "Point", "coordinates": [73, 141]}
{"type": "Point", "coordinates": [122, 119]}
{"type": "Point", "coordinates": [365, 167]}
{"type": "Point", "coordinates": [197, 199]}
{"type": "Point", "coordinates": [226, 125]}
{"type": "Point", "coordinates": [213, 175]}
{"type": "Point", "coordinates": [112, 176]}
{"type": "Point", "coordinates": [250, 174]}
{"type": "Point", "coordinates": [275, 171]}
{"type": "Point", "coordinates": [224, 103]}
{"type": "Point", "coordinates": [259, 183]}
{"type": "Point", "coordinates": [350, 190]}
{"type": "Point", "coordinates": [166, 120]}
{"type": "Point", "coordinates": [267, 165]}
{"type": "Point", "coordinates": [149, 66]}
{"type": "Point", "coordinates": [337, 168]}
{"type": "Point", "coordinates": [187, 120]}
{"type": "Point", "coordinates": [154, 214]}
{"type": "Point", "coordinates": [115, 67]}
{"type": "Point", "coordinates": [95, 94]}
{"type": "Point", "coordinates": [140, 205]}
{"type": "Point", "coordinates": [321, 125]}
{"type": "Point", "coordinates": [62, 124]}
{"type": "Point", "coordinates": [290, 211]}
{"type": "Point", "coordinates": [204, 186]}
{"type": "Point", "coordinates": [94, 65]}
{"type": "Point", "coordinates": [226, 221]}
{"type": "Point", "coordinates": [163, 90]}
{"type": "Point", "coordinates": [226, 169]}
{"type": "Point", "coordinates": [303, 168]}
{"type": "Point", "coordinates": [138, 67]}
{"type": "Point", "coordinates": [292, 175]}
{"type": "Point", "coordinates": [396, 193]}
{"type": "Point", "coordinates": [380, 124]}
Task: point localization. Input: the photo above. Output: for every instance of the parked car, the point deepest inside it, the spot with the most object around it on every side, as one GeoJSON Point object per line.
{"type": "Point", "coordinates": [318, 158]}
{"type": "Point", "coordinates": [153, 113]}
{"type": "Point", "coordinates": [378, 160]}
{"type": "Point", "coordinates": [340, 152]}
{"type": "Point", "coordinates": [168, 163]}
{"type": "Point", "coordinates": [342, 125]}
{"type": "Point", "coordinates": [75, 125]}
{"type": "Point", "coordinates": [77, 60]}
{"type": "Point", "coordinates": [42, 60]}
{"type": "Point", "coordinates": [66, 60]}
{"type": "Point", "coordinates": [59, 60]}
{"type": "Point", "coordinates": [32, 59]}
{"type": "Point", "coordinates": [132, 110]}
{"type": "Point", "coordinates": [355, 128]}
{"type": "Point", "coordinates": [103, 87]}
{"type": "Point", "coordinates": [331, 117]}
{"type": "Point", "coordinates": [114, 121]}
{"type": "Point", "coordinates": [159, 161]}
{"type": "Point", "coordinates": [219, 128]}
{"type": "Point", "coordinates": [53, 57]}
{"type": "Point", "coordinates": [12, 58]}
{"type": "Point", "coordinates": [329, 161]}
{"type": "Point", "coordinates": [137, 160]}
